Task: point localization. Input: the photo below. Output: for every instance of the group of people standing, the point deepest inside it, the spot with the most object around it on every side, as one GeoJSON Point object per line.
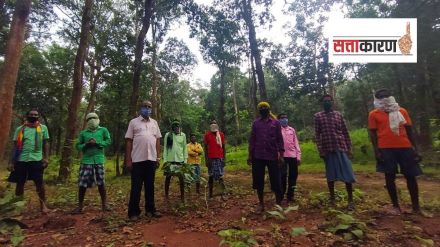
{"type": "Point", "coordinates": [272, 144]}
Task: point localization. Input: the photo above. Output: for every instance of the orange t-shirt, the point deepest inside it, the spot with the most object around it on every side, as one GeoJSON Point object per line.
{"type": "Point", "coordinates": [379, 121]}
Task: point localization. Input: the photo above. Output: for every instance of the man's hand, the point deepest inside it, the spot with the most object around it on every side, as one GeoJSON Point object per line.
{"type": "Point", "coordinates": [298, 162]}
{"type": "Point", "coordinates": [157, 163]}
{"type": "Point", "coordinates": [45, 162]}
{"type": "Point", "coordinates": [208, 162]}
{"type": "Point", "coordinates": [378, 154]}
{"type": "Point", "coordinates": [249, 161]}
{"type": "Point", "coordinates": [280, 159]}
{"type": "Point", "coordinates": [350, 154]}
{"type": "Point", "coordinates": [417, 156]}
{"type": "Point", "coordinates": [11, 165]}
{"type": "Point", "coordinates": [129, 164]}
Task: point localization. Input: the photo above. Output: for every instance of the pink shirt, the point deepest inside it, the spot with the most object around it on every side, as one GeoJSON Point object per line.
{"type": "Point", "coordinates": [291, 145]}
{"type": "Point", "coordinates": [144, 135]}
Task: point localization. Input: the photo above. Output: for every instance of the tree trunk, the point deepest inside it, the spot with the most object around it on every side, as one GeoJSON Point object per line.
{"type": "Point", "coordinates": [247, 16]}
{"type": "Point", "coordinates": [253, 94]}
{"type": "Point", "coordinates": [222, 98]}
{"type": "Point", "coordinates": [424, 133]}
{"type": "Point", "coordinates": [59, 135]}
{"type": "Point", "coordinates": [237, 117]}
{"type": "Point", "coordinates": [75, 101]}
{"type": "Point", "coordinates": [9, 72]}
{"type": "Point", "coordinates": [94, 81]}
{"type": "Point", "coordinates": [137, 67]}
{"type": "Point", "coordinates": [154, 78]}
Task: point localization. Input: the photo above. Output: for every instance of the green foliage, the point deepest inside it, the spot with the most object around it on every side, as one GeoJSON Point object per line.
{"type": "Point", "coordinates": [280, 212]}
{"type": "Point", "coordinates": [297, 231]}
{"type": "Point", "coordinates": [344, 224]}
{"type": "Point", "coordinates": [237, 238]}
{"type": "Point", "coordinates": [184, 170]}
{"type": "Point", "coordinates": [11, 207]}
{"type": "Point", "coordinates": [322, 198]}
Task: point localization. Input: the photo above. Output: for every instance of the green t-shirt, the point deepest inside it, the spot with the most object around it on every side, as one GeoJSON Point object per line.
{"type": "Point", "coordinates": [178, 152]}
{"type": "Point", "coordinates": [29, 153]}
{"type": "Point", "coordinates": [93, 154]}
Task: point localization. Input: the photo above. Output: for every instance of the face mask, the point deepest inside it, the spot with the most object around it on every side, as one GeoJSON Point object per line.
{"type": "Point", "coordinates": [92, 123]}
{"type": "Point", "coordinates": [145, 112]}
{"type": "Point", "coordinates": [264, 112]}
{"type": "Point", "coordinates": [284, 121]}
{"type": "Point", "coordinates": [327, 105]}
{"type": "Point", "coordinates": [32, 119]}
{"type": "Point", "coordinates": [213, 127]}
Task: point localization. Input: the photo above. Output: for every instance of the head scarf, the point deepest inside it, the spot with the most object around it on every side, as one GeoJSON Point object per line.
{"type": "Point", "coordinates": [266, 104]}
{"type": "Point", "coordinates": [169, 140]}
{"type": "Point", "coordinates": [92, 121]}
{"type": "Point", "coordinates": [215, 129]}
{"type": "Point", "coordinates": [390, 106]}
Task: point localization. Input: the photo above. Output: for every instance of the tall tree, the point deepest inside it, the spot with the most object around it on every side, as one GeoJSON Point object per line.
{"type": "Point", "coordinates": [139, 51]}
{"type": "Point", "coordinates": [8, 74]}
{"type": "Point", "coordinates": [71, 123]}
{"type": "Point", "coordinates": [247, 15]}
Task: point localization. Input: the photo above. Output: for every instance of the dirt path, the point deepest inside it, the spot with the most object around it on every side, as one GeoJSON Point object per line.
{"type": "Point", "coordinates": [193, 225]}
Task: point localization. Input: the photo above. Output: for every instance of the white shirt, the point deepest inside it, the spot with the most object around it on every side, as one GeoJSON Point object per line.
{"type": "Point", "coordinates": [144, 134]}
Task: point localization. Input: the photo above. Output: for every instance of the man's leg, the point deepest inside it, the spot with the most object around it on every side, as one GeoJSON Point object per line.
{"type": "Point", "coordinates": [293, 176]}
{"type": "Point", "coordinates": [167, 186]}
{"type": "Point", "coordinates": [275, 183]}
{"type": "Point", "coordinates": [284, 169]}
{"type": "Point", "coordinates": [182, 188]}
{"type": "Point", "coordinates": [150, 174]}
{"type": "Point", "coordinates": [413, 188]}
{"type": "Point", "coordinates": [349, 188]}
{"type": "Point", "coordinates": [210, 186]}
{"type": "Point", "coordinates": [258, 172]}
{"type": "Point", "coordinates": [331, 190]}
{"type": "Point", "coordinates": [136, 189]}
{"type": "Point", "coordinates": [19, 188]}
{"type": "Point", "coordinates": [41, 195]}
{"type": "Point", "coordinates": [390, 181]}
{"type": "Point", "coordinates": [103, 194]}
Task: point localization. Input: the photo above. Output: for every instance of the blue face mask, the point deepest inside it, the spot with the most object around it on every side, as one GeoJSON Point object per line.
{"type": "Point", "coordinates": [284, 121]}
{"type": "Point", "coordinates": [145, 112]}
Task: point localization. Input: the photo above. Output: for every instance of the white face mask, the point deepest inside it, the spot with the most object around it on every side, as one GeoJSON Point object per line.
{"type": "Point", "coordinates": [92, 123]}
{"type": "Point", "coordinates": [213, 127]}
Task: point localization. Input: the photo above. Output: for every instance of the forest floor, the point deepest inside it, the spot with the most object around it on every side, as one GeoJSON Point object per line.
{"type": "Point", "coordinates": [197, 222]}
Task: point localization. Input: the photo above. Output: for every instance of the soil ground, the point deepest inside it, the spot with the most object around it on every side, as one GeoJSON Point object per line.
{"type": "Point", "coordinates": [197, 222]}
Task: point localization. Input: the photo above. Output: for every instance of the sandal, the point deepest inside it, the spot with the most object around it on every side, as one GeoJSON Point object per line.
{"type": "Point", "coordinates": [77, 210]}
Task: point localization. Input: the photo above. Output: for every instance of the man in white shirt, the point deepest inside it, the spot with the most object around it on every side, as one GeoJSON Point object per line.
{"type": "Point", "coordinates": [142, 159]}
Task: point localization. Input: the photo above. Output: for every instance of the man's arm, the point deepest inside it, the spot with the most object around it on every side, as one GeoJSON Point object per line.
{"type": "Point", "coordinates": [158, 152]}
{"type": "Point", "coordinates": [373, 138]}
{"type": "Point", "coordinates": [318, 136]}
{"type": "Point", "coordinates": [45, 153]}
{"type": "Point", "coordinates": [251, 146]}
{"type": "Point", "coordinates": [128, 149]}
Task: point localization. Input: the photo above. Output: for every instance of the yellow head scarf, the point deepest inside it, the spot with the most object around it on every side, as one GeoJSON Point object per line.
{"type": "Point", "coordinates": [266, 104]}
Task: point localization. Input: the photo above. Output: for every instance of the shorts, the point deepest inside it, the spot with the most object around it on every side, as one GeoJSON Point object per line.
{"type": "Point", "coordinates": [23, 171]}
{"type": "Point", "coordinates": [216, 168]}
{"type": "Point", "coordinates": [196, 171]}
{"type": "Point", "coordinates": [91, 175]}
{"type": "Point", "coordinates": [404, 157]}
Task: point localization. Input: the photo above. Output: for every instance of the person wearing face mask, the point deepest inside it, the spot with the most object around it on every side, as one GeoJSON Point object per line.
{"type": "Point", "coordinates": [394, 144]}
{"type": "Point", "coordinates": [142, 158]}
{"type": "Point", "coordinates": [292, 158]}
{"type": "Point", "coordinates": [334, 146]}
{"type": "Point", "coordinates": [30, 156]}
{"type": "Point", "coordinates": [91, 142]}
{"type": "Point", "coordinates": [266, 149]}
{"type": "Point", "coordinates": [215, 152]}
{"type": "Point", "coordinates": [175, 153]}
